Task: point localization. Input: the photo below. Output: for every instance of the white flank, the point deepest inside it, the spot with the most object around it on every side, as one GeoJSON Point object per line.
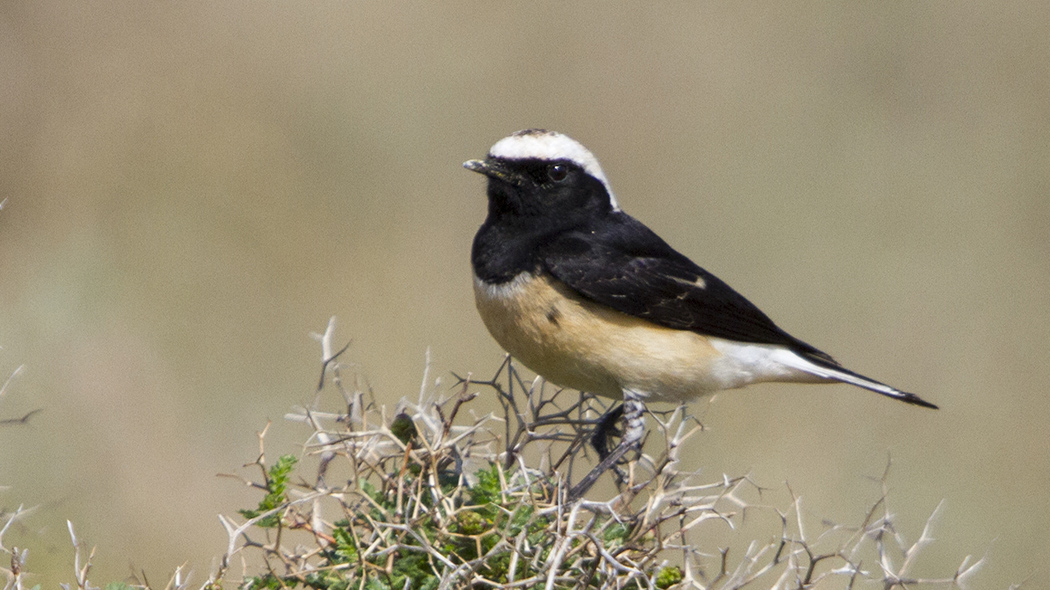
{"type": "Point", "coordinates": [551, 145]}
{"type": "Point", "coordinates": [746, 363]}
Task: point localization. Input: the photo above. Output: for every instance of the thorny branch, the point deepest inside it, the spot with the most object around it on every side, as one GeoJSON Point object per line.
{"type": "Point", "coordinates": [475, 500]}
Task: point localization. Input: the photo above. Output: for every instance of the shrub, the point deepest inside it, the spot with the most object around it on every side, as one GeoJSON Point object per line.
{"type": "Point", "coordinates": [436, 497]}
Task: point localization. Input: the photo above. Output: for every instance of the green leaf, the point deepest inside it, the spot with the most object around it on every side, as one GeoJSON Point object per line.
{"type": "Point", "coordinates": [669, 576]}
{"type": "Point", "coordinates": [403, 428]}
{"type": "Point", "coordinates": [276, 486]}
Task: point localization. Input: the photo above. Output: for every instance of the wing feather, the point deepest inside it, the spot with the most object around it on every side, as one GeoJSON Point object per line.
{"type": "Point", "coordinates": [629, 268]}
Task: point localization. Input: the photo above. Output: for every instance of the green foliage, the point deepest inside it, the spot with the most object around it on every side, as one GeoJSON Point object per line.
{"type": "Point", "coordinates": [669, 576]}
{"type": "Point", "coordinates": [276, 488]}
{"type": "Point", "coordinates": [403, 428]}
{"type": "Point", "coordinates": [487, 523]}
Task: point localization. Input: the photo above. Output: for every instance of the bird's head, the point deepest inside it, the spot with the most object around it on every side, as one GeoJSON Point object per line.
{"type": "Point", "coordinates": [544, 174]}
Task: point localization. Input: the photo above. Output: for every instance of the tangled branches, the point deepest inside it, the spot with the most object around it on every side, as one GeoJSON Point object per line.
{"type": "Point", "coordinates": [435, 496]}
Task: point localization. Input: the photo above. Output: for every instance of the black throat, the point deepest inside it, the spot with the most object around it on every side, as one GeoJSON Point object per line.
{"type": "Point", "coordinates": [502, 250]}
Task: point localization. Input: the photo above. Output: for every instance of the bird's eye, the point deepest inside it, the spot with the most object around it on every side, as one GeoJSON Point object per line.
{"type": "Point", "coordinates": [557, 172]}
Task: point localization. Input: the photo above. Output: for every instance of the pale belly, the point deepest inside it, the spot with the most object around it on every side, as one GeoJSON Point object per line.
{"type": "Point", "coordinates": [576, 343]}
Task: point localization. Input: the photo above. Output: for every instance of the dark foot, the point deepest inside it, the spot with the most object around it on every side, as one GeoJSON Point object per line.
{"type": "Point", "coordinates": [606, 426]}
{"type": "Point", "coordinates": [634, 418]}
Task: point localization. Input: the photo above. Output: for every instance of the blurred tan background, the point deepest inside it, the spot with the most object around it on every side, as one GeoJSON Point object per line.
{"type": "Point", "coordinates": [190, 189]}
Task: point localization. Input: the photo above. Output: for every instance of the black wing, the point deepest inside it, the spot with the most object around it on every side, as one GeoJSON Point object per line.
{"type": "Point", "coordinates": [624, 265]}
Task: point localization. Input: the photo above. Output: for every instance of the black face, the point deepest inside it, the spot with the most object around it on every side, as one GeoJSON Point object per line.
{"type": "Point", "coordinates": [559, 191]}
{"type": "Point", "coordinates": [531, 202]}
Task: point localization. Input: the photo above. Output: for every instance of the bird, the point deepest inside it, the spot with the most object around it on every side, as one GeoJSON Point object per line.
{"type": "Point", "coordinates": [591, 299]}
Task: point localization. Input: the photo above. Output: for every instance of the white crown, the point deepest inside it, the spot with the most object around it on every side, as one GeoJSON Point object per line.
{"type": "Point", "coordinates": [541, 144]}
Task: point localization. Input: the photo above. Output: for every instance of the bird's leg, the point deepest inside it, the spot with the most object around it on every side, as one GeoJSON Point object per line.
{"type": "Point", "coordinates": [606, 426]}
{"type": "Point", "coordinates": [633, 411]}
{"type": "Point", "coordinates": [600, 438]}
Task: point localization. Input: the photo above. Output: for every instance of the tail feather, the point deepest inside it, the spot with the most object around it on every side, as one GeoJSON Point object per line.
{"type": "Point", "coordinates": [828, 369]}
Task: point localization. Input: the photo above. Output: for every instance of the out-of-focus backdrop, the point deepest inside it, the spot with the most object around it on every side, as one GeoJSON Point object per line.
{"type": "Point", "coordinates": [190, 189]}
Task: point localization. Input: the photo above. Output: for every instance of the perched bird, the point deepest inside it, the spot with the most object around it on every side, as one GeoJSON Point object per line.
{"type": "Point", "coordinates": [590, 298]}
